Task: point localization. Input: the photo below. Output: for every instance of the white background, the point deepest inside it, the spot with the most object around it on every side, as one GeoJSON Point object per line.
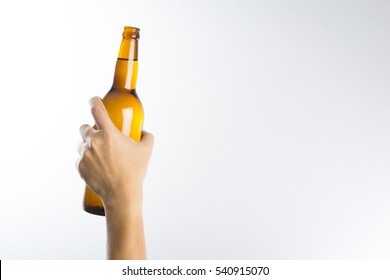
{"type": "Point", "coordinates": [271, 119]}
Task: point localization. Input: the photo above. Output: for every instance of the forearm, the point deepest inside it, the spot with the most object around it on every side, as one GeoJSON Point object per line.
{"type": "Point", "coordinates": [125, 230]}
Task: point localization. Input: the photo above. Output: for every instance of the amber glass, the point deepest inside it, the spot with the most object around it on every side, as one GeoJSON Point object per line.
{"type": "Point", "coordinates": [122, 103]}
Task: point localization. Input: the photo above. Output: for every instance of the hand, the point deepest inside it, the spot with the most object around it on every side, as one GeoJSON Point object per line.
{"type": "Point", "coordinates": [112, 164]}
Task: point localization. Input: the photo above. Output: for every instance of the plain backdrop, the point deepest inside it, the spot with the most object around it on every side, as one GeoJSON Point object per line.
{"type": "Point", "coordinates": [271, 118]}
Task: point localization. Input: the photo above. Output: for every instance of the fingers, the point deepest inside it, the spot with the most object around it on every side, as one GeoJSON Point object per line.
{"type": "Point", "coordinates": [86, 131]}
{"type": "Point", "coordinates": [100, 114]}
{"type": "Point", "coordinates": [147, 138]}
{"type": "Point", "coordinates": [81, 147]}
{"type": "Point", "coordinates": [77, 164]}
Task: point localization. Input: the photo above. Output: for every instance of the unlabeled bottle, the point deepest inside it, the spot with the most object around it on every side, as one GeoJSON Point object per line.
{"type": "Point", "coordinates": [122, 103]}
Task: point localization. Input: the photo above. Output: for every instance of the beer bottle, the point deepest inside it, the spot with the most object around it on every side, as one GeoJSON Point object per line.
{"type": "Point", "coordinates": [122, 103]}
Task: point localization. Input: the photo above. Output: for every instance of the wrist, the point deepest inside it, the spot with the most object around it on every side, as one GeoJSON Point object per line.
{"type": "Point", "coordinates": [127, 201]}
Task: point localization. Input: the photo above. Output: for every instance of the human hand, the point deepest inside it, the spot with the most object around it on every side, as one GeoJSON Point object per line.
{"type": "Point", "coordinates": [112, 164]}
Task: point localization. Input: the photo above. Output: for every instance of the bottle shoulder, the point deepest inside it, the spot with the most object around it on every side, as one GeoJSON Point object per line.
{"type": "Point", "coordinates": [121, 91]}
{"type": "Point", "coordinates": [122, 99]}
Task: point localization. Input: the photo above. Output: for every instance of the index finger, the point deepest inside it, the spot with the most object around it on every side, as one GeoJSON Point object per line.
{"type": "Point", "coordinates": [100, 114]}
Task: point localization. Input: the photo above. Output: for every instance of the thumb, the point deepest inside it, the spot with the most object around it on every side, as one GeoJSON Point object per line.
{"type": "Point", "coordinates": [100, 114]}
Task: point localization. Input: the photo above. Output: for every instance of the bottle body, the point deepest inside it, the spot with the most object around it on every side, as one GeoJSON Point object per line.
{"type": "Point", "coordinates": [122, 104]}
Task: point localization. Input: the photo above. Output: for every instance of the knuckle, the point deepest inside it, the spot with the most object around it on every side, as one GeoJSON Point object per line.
{"type": "Point", "coordinates": [92, 137]}
{"type": "Point", "coordinates": [106, 137]}
{"type": "Point", "coordinates": [93, 141]}
{"type": "Point", "coordinates": [95, 109]}
{"type": "Point", "coordinates": [82, 127]}
{"type": "Point", "coordinates": [86, 155]}
{"type": "Point", "coordinates": [90, 144]}
{"type": "Point", "coordinates": [82, 154]}
{"type": "Point", "coordinates": [80, 165]}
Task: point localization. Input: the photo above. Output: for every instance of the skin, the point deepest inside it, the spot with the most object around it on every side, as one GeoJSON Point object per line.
{"type": "Point", "coordinates": [114, 167]}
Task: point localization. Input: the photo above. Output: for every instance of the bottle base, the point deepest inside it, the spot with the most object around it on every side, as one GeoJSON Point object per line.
{"type": "Point", "coordinates": [95, 210]}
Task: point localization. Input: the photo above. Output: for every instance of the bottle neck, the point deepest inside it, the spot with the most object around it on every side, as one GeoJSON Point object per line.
{"type": "Point", "coordinates": [126, 68]}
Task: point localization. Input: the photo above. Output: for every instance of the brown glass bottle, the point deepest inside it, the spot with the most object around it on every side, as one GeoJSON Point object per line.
{"type": "Point", "coordinates": [122, 103]}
